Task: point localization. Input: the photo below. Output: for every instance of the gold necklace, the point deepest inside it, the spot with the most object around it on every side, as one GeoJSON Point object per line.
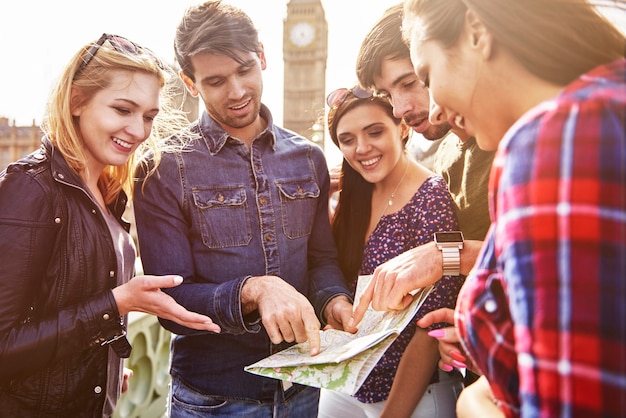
{"type": "Point", "coordinates": [393, 193]}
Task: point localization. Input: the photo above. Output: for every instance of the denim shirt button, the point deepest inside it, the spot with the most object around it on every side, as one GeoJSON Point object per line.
{"type": "Point", "coordinates": [262, 201]}
{"type": "Point", "coordinates": [268, 237]}
{"type": "Point", "coordinates": [220, 198]}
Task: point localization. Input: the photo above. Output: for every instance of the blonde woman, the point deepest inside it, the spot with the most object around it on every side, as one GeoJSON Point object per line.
{"type": "Point", "coordinates": [66, 255]}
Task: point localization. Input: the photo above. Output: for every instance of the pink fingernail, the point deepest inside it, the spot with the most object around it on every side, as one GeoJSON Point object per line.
{"type": "Point", "coordinates": [437, 333]}
{"type": "Point", "coordinates": [459, 365]}
{"type": "Point", "coordinates": [447, 368]}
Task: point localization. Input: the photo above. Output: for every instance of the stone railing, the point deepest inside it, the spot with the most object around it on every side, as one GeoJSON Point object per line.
{"type": "Point", "coordinates": [149, 360]}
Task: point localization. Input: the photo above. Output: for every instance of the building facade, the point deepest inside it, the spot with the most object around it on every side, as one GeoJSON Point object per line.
{"type": "Point", "coordinates": [17, 141]}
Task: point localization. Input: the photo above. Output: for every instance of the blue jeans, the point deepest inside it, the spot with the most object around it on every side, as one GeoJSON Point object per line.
{"type": "Point", "coordinates": [297, 401]}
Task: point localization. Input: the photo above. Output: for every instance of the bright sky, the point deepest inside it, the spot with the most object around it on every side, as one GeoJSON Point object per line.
{"type": "Point", "coordinates": [38, 37]}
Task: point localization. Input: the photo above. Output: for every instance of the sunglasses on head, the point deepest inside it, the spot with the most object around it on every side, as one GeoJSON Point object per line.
{"type": "Point", "coordinates": [121, 45]}
{"type": "Point", "coordinates": [337, 97]}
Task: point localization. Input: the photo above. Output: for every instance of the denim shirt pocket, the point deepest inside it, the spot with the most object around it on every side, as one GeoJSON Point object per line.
{"type": "Point", "coordinates": [223, 216]}
{"type": "Point", "coordinates": [298, 204]}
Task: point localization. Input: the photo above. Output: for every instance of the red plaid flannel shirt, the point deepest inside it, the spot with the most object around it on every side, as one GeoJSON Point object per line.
{"type": "Point", "coordinates": [543, 313]}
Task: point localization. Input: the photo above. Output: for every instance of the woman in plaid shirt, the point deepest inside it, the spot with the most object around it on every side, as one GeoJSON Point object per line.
{"type": "Point", "coordinates": [543, 313]}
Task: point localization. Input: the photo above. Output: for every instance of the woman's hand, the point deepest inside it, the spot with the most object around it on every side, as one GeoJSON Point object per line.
{"type": "Point", "coordinates": [337, 313]}
{"type": "Point", "coordinates": [450, 349]}
{"type": "Point", "coordinates": [144, 294]}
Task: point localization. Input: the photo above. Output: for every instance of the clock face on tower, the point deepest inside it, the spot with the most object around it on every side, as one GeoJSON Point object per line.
{"type": "Point", "coordinates": [302, 34]}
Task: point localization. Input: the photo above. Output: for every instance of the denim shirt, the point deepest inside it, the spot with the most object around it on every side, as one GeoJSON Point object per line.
{"type": "Point", "coordinates": [218, 213]}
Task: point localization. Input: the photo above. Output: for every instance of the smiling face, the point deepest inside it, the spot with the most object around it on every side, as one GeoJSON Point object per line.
{"type": "Point", "coordinates": [409, 97]}
{"type": "Point", "coordinates": [371, 141]}
{"type": "Point", "coordinates": [461, 83]}
{"type": "Point", "coordinates": [117, 119]}
{"type": "Point", "coordinates": [231, 91]}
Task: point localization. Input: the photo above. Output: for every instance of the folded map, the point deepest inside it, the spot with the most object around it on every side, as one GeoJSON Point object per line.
{"type": "Point", "coordinates": [345, 360]}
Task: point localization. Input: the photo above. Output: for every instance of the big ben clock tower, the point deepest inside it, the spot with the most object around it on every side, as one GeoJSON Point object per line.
{"type": "Point", "coordinates": [305, 50]}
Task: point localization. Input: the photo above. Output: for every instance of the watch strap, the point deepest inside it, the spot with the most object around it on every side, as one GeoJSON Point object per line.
{"type": "Point", "coordinates": [451, 257]}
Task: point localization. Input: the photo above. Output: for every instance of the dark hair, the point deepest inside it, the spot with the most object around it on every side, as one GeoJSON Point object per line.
{"type": "Point", "coordinates": [217, 28]}
{"type": "Point", "coordinates": [352, 214]}
{"type": "Point", "coordinates": [556, 40]}
{"type": "Point", "coordinates": [383, 41]}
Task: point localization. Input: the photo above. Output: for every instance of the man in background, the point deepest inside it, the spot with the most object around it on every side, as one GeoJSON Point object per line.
{"type": "Point", "coordinates": [384, 65]}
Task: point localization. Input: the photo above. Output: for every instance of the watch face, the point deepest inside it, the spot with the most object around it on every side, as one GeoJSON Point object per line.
{"type": "Point", "coordinates": [453, 236]}
{"type": "Point", "coordinates": [302, 34]}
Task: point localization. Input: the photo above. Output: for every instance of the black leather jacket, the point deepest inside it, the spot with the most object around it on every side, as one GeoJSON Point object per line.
{"type": "Point", "coordinates": [57, 311]}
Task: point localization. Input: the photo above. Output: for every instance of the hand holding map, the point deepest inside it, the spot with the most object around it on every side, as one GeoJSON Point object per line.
{"type": "Point", "coordinates": [345, 359]}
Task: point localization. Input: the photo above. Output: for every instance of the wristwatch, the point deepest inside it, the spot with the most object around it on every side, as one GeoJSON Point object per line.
{"type": "Point", "coordinates": [450, 244]}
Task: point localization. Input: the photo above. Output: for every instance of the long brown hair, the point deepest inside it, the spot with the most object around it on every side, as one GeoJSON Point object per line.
{"type": "Point", "coordinates": [352, 214]}
{"type": "Point", "coordinates": [556, 40]}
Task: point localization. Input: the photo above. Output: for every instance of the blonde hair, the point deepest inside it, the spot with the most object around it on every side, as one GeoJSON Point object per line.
{"type": "Point", "coordinates": [62, 128]}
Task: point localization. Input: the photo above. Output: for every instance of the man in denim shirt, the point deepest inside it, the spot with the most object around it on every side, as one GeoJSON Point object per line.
{"type": "Point", "coordinates": [242, 215]}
